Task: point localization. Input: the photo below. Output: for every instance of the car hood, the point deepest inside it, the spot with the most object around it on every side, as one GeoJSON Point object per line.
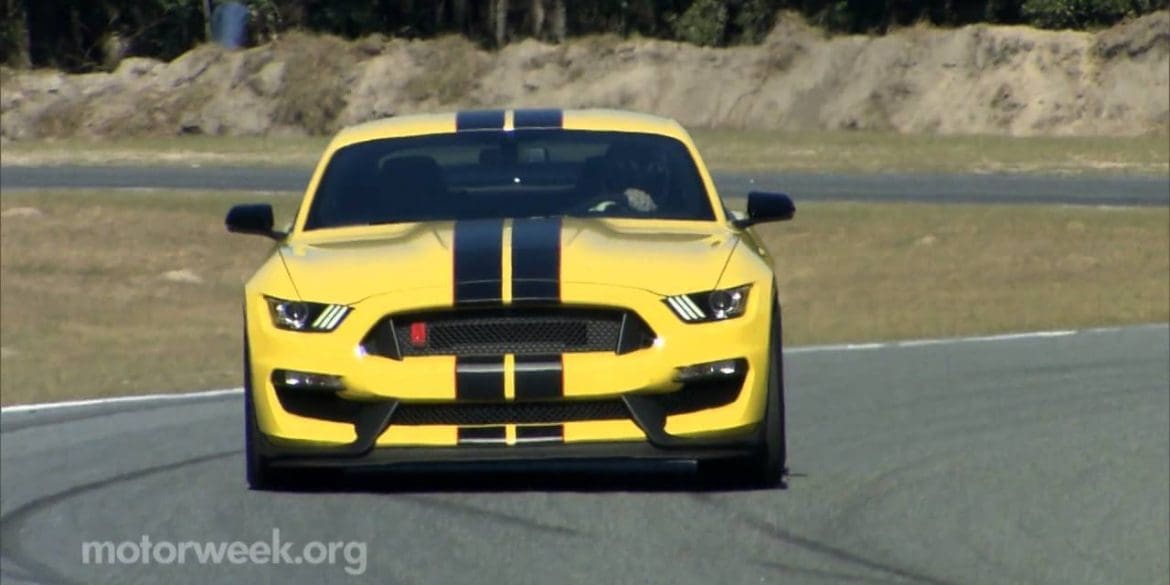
{"type": "Point", "coordinates": [351, 264]}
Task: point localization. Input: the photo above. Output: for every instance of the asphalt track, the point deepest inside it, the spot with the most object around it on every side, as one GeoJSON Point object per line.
{"type": "Point", "coordinates": [916, 188]}
{"type": "Point", "coordinates": [1030, 459]}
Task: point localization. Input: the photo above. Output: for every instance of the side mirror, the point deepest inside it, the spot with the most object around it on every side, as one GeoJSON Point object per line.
{"type": "Point", "coordinates": [763, 207]}
{"type": "Point", "coordinates": [252, 218]}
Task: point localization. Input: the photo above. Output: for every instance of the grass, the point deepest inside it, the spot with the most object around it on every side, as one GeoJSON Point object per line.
{"type": "Point", "coordinates": [292, 151]}
{"type": "Point", "coordinates": [88, 310]}
{"type": "Point", "coordinates": [876, 152]}
{"type": "Point", "coordinates": [727, 150]}
{"type": "Point", "coordinates": [869, 272]}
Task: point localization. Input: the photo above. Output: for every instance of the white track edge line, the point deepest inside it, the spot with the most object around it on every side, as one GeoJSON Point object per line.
{"type": "Point", "coordinates": [120, 400]}
{"type": "Point", "coordinates": [17, 408]}
{"type": "Point", "coordinates": [973, 339]}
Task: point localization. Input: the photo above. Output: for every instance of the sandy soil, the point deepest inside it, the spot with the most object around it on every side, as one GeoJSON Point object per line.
{"type": "Point", "coordinates": [974, 80]}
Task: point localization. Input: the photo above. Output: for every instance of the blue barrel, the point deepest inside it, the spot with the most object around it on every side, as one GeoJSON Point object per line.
{"type": "Point", "coordinates": [229, 25]}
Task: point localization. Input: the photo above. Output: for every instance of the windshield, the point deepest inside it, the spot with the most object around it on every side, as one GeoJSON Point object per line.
{"type": "Point", "coordinates": [529, 173]}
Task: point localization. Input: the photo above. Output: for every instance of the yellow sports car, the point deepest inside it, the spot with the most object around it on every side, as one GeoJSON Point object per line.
{"type": "Point", "coordinates": [504, 285]}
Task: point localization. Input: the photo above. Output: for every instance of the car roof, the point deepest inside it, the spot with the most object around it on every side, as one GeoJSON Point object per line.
{"type": "Point", "coordinates": [449, 122]}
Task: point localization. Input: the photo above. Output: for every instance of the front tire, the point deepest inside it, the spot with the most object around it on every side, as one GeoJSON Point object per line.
{"type": "Point", "coordinates": [769, 466]}
{"type": "Point", "coordinates": [766, 466]}
{"type": "Point", "coordinates": [256, 469]}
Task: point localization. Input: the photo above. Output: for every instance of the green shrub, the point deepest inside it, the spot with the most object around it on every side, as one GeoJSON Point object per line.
{"type": "Point", "coordinates": [703, 23]}
{"type": "Point", "coordinates": [753, 20]}
{"type": "Point", "coordinates": [1084, 13]}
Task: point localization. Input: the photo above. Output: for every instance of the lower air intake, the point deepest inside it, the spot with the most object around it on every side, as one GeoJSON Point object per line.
{"type": "Point", "coordinates": [509, 413]}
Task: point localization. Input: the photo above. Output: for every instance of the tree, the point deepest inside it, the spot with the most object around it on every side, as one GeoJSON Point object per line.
{"type": "Point", "coordinates": [14, 35]}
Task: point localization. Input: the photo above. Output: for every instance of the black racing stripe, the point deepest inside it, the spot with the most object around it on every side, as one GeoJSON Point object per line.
{"type": "Point", "coordinates": [540, 377]}
{"type": "Point", "coordinates": [479, 378]}
{"type": "Point", "coordinates": [498, 434]}
{"type": "Point", "coordinates": [538, 118]}
{"type": "Point", "coordinates": [479, 252]}
{"type": "Point", "coordinates": [536, 260]}
{"type": "Point", "coordinates": [540, 433]}
{"type": "Point", "coordinates": [479, 120]}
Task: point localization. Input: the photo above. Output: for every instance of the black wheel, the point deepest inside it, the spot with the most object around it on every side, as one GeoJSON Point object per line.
{"type": "Point", "coordinates": [256, 469]}
{"type": "Point", "coordinates": [766, 467]}
{"type": "Point", "coordinates": [770, 465]}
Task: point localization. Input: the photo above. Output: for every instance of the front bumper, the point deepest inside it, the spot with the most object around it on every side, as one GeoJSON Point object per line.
{"type": "Point", "coordinates": [587, 455]}
{"type": "Point", "coordinates": [649, 412]}
{"type": "Point", "coordinates": [357, 422]}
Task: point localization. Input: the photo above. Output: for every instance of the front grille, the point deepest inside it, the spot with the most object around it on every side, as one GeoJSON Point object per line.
{"type": "Point", "coordinates": [518, 331]}
{"type": "Point", "coordinates": [509, 413]}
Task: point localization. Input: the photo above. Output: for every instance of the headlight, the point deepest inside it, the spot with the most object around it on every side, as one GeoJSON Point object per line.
{"type": "Point", "coordinates": [305, 316]}
{"type": "Point", "coordinates": [715, 305]}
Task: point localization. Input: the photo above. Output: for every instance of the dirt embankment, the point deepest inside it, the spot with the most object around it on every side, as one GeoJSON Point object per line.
{"type": "Point", "coordinates": [977, 79]}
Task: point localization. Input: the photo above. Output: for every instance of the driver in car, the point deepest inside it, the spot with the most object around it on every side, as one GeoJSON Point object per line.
{"type": "Point", "coordinates": [634, 178]}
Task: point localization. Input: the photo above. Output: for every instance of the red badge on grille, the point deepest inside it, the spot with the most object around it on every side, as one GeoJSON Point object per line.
{"type": "Point", "coordinates": [418, 334]}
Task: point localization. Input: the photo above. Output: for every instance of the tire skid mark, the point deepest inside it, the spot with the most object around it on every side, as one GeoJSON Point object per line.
{"type": "Point", "coordinates": [11, 548]}
{"type": "Point", "coordinates": [817, 547]}
{"type": "Point", "coordinates": [839, 554]}
{"type": "Point", "coordinates": [829, 576]}
{"type": "Point", "coordinates": [882, 485]}
{"type": "Point", "coordinates": [493, 515]}
{"type": "Point", "coordinates": [16, 572]}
